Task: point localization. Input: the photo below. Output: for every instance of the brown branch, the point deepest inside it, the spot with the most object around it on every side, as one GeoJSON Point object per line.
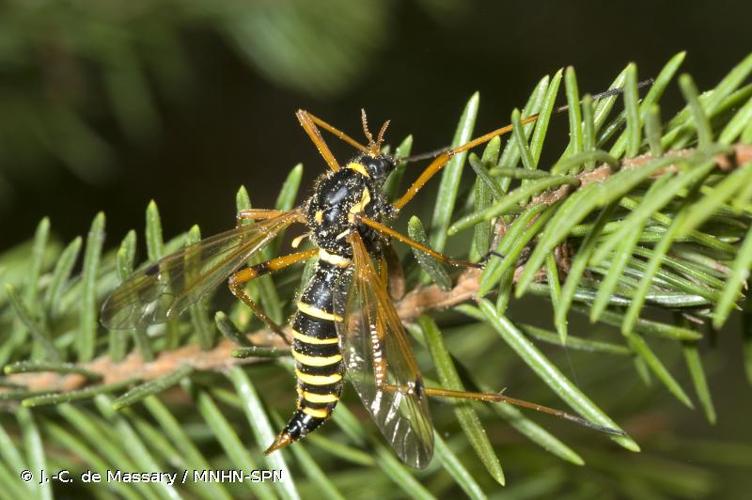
{"type": "Point", "coordinates": [739, 155]}
{"type": "Point", "coordinates": [409, 308]}
{"type": "Point", "coordinates": [220, 357]}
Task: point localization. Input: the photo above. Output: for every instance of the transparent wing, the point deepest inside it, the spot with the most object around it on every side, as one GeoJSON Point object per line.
{"type": "Point", "coordinates": [379, 361]}
{"type": "Point", "coordinates": [164, 289]}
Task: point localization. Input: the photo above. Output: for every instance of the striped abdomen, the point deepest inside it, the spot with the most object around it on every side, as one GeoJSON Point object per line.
{"type": "Point", "coordinates": [315, 348]}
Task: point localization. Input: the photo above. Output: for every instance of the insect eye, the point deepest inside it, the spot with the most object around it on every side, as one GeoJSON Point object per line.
{"type": "Point", "coordinates": [379, 167]}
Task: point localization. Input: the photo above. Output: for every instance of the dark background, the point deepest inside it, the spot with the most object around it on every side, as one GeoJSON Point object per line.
{"type": "Point", "coordinates": [231, 125]}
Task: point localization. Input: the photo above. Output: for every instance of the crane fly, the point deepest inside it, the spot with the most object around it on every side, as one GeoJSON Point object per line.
{"type": "Point", "coordinates": [345, 323]}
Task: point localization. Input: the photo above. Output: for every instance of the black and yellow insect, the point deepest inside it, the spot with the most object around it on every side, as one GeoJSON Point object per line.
{"type": "Point", "coordinates": [345, 322]}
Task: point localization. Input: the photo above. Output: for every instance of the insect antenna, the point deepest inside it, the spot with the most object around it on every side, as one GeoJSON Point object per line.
{"type": "Point", "coordinates": [382, 131]}
{"type": "Point", "coordinates": [366, 130]}
{"type": "Point", "coordinates": [373, 146]}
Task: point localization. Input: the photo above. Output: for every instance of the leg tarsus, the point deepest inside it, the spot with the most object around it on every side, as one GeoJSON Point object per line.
{"type": "Point", "coordinates": [236, 287]}
{"type": "Point", "coordinates": [491, 253]}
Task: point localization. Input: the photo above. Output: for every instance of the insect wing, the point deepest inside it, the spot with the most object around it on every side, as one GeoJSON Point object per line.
{"type": "Point", "coordinates": [164, 289]}
{"type": "Point", "coordinates": [379, 361]}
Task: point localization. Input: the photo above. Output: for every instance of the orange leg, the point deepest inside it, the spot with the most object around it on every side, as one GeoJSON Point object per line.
{"type": "Point", "coordinates": [388, 231]}
{"type": "Point", "coordinates": [313, 132]}
{"type": "Point", "coordinates": [334, 131]}
{"type": "Point", "coordinates": [310, 122]}
{"type": "Point", "coordinates": [440, 161]}
{"type": "Point", "coordinates": [238, 280]}
{"type": "Point", "coordinates": [493, 397]}
{"type": "Point", "coordinates": [445, 155]}
{"type": "Point", "coordinates": [254, 214]}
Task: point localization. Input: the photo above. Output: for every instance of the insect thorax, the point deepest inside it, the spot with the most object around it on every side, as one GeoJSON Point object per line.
{"type": "Point", "coordinates": [339, 197]}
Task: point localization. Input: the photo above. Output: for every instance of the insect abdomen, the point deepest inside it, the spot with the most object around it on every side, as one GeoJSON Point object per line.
{"type": "Point", "coordinates": [315, 348]}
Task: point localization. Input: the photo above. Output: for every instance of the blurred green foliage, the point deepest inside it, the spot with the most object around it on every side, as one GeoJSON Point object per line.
{"type": "Point", "coordinates": [68, 68]}
{"type": "Point", "coordinates": [656, 247]}
{"type": "Point", "coordinates": [82, 81]}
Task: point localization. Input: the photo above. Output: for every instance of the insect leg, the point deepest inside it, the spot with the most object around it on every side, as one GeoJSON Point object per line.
{"type": "Point", "coordinates": [240, 278]}
{"type": "Point", "coordinates": [440, 161]}
{"type": "Point", "coordinates": [309, 122]}
{"type": "Point", "coordinates": [493, 397]}
{"type": "Point", "coordinates": [442, 156]}
{"type": "Point", "coordinates": [254, 214]}
{"type": "Point", "coordinates": [334, 131]}
{"type": "Point", "coordinates": [388, 231]}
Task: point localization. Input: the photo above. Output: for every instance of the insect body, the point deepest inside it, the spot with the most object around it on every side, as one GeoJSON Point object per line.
{"type": "Point", "coordinates": [345, 322]}
{"type": "Point", "coordinates": [331, 212]}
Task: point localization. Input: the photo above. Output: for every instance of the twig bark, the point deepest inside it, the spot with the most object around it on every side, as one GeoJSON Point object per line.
{"type": "Point", "coordinates": [409, 308]}
{"type": "Point", "coordinates": [220, 357]}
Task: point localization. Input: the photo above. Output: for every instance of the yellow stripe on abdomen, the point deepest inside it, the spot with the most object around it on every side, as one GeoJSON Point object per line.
{"type": "Point", "coordinates": [318, 379]}
{"type": "Point", "coordinates": [312, 397]}
{"type": "Point", "coordinates": [307, 360]}
{"type": "Point", "coordinates": [315, 312]}
{"type": "Point", "coordinates": [310, 339]}
{"type": "Point", "coordinates": [316, 412]}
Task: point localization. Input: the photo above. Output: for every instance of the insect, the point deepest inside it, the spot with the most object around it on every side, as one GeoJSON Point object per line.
{"type": "Point", "coordinates": [345, 322]}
